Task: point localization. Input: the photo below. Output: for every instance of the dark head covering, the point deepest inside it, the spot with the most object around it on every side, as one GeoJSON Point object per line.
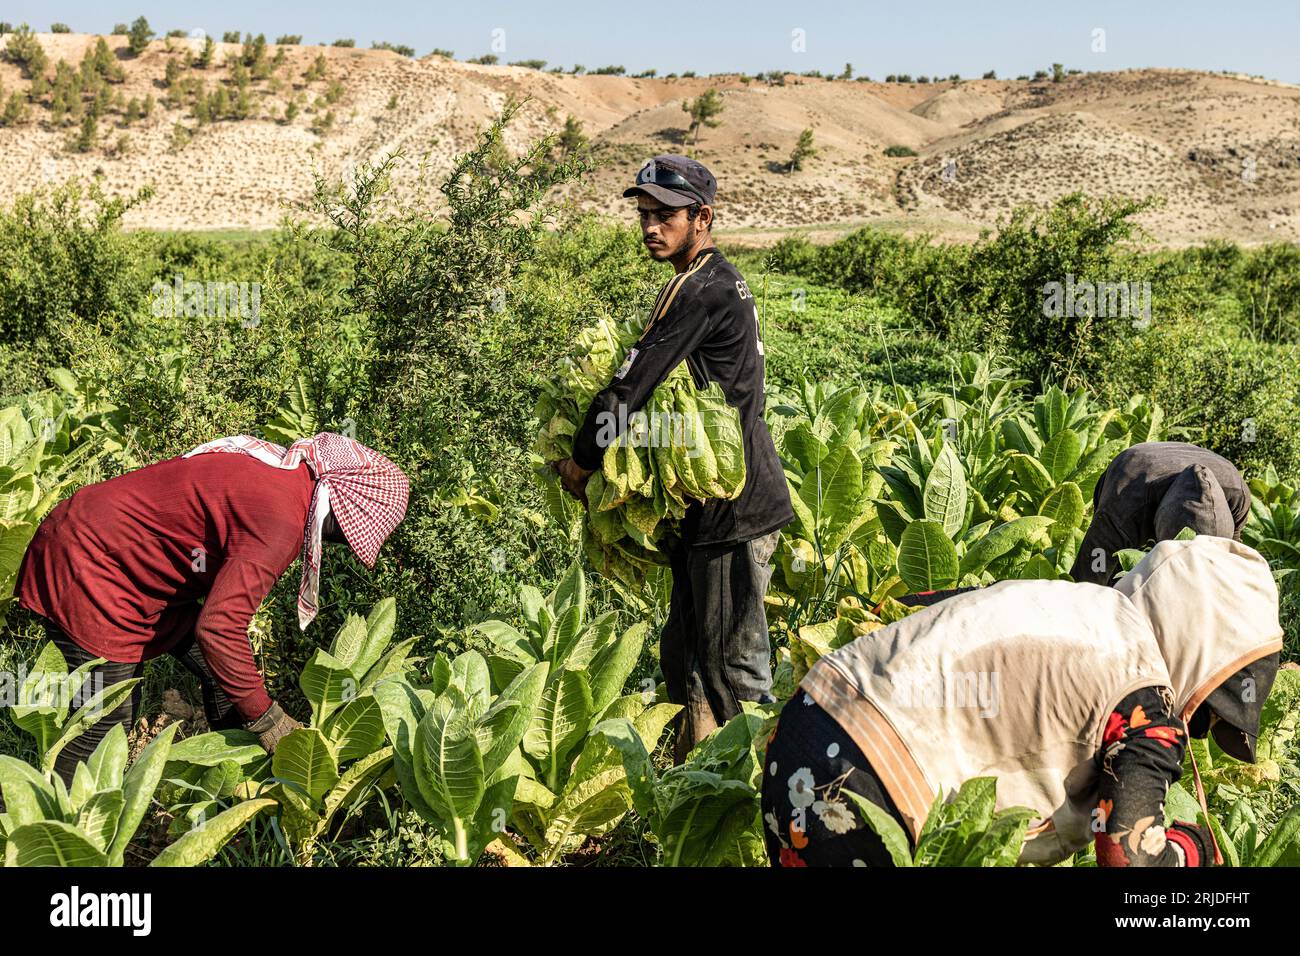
{"type": "Point", "coordinates": [1194, 500]}
{"type": "Point", "coordinates": [1238, 703]}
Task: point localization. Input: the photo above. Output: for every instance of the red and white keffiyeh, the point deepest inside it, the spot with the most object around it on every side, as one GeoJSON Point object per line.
{"type": "Point", "coordinates": [366, 491]}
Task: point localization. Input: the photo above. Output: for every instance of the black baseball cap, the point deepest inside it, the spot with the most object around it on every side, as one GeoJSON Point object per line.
{"type": "Point", "coordinates": [675, 181]}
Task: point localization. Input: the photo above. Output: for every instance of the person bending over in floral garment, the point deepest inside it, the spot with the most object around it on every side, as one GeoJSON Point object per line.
{"type": "Point", "coordinates": [1078, 698]}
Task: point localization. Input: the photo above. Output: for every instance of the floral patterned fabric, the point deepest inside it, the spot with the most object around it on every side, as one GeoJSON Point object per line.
{"type": "Point", "coordinates": [807, 819]}
{"type": "Point", "coordinates": [810, 761]}
{"type": "Point", "coordinates": [1141, 755]}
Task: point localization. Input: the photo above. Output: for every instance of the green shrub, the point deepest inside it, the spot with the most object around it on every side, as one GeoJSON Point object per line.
{"type": "Point", "coordinates": [994, 294]}
{"type": "Point", "coordinates": [452, 376]}
{"type": "Point", "coordinates": [319, 69]}
{"type": "Point", "coordinates": [139, 36]}
{"type": "Point", "coordinates": [66, 258]}
{"type": "Point", "coordinates": [16, 110]}
{"type": "Point", "coordinates": [24, 49]}
{"type": "Point", "coordinates": [803, 150]}
{"type": "Point", "coordinates": [899, 151]}
{"type": "Point", "coordinates": [1239, 397]}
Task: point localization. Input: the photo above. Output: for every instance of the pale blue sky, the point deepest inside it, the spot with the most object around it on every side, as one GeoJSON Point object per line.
{"type": "Point", "coordinates": [935, 37]}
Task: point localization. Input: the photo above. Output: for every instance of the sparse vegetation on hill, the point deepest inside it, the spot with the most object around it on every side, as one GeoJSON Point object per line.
{"type": "Point", "coordinates": [803, 151]}
{"type": "Point", "coordinates": [23, 48]}
{"type": "Point", "coordinates": [1224, 164]}
{"type": "Point", "coordinates": [139, 35]}
{"type": "Point", "coordinates": [703, 111]}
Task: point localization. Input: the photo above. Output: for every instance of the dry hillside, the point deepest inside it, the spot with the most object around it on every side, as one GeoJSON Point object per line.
{"type": "Point", "coordinates": [1224, 151]}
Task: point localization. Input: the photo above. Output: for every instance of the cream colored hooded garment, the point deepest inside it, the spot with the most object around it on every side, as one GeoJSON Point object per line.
{"type": "Point", "coordinates": [1017, 680]}
{"type": "Point", "coordinates": [1213, 606]}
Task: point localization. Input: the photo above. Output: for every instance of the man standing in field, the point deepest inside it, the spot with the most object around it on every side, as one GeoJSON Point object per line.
{"type": "Point", "coordinates": [714, 650]}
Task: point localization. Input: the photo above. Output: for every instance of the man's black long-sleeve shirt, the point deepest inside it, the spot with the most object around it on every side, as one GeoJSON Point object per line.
{"type": "Point", "coordinates": [706, 317]}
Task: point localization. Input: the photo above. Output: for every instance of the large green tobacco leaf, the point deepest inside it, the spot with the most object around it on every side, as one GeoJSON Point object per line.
{"type": "Point", "coordinates": [1064, 505]}
{"type": "Point", "coordinates": [1060, 455]}
{"type": "Point", "coordinates": [403, 709]}
{"type": "Point", "coordinates": [15, 536]}
{"type": "Point", "coordinates": [107, 764]}
{"type": "Point", "coordinates": [202, 843]}
{"type": "Point", "coordinates": [1034, 478]}
{"type": "Point", "coordinates": [893, 836]}
{"type": "Point", "coordinates": [392, 663]}
{"type": "Point", "coordinates": [18, 494]}
{"type": "Point", "coordinates": [1002, 540]}
{"type": "Point", "coordinates": [562, 635]}
{"type": "Point", "coordinates": [357, 729]}
{"type": "Point", "coordinates": [1282, 846]}
{"type": "Point", "coordinates": [349, 642]}
{"type": "Point", "coordinates": [508, 641]}
{"type": "Point", "coordinates": [803, 445]}
{"type": "Point", "coordinates": [448, 766]}
{"type": "Point", "coordinates": [944, 496]}
{"type": "Point", "coordinates": [571, 591]}
{"type": "Point", "coordinates": [28, 796]}
{"type": "Point", "coordinates": [40, 711]}
{"type": "Point", "coordinates": [723, 439]}
{"type": "Point", "coordinates": [613, 665]}
{"type": "Point", "coordinates": [561, 721]}
{"type": "Point", "coordinates": [927, 559]}
{"type": "Point", "coordinates": [833, 495]}
{"type": "Point", "coordinates": [305, 759]}
{"type": "Point", "coordinates": [138, 787]}
{"type": "Point", "coordinates": [1180, 805]}
{"type": "Point", "coordinates": [504, 724]}
{"type": "Point", "coordinates": [99, 706]}
{"type": "Point", "coordinates": [326, 682]}
{"type": "Point", "coordinates": [52, 843]}
{"type": "Point", "coordinates": [216, 747]}
{"type": "Point", "coordinates": [98, 818]}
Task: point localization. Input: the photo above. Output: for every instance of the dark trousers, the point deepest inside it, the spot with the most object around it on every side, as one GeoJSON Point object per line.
{"type": "Point", "coordinates": [714, 650]}
{"type": "Point", "coordinates": [807, 819]}
{"type": "Point", "coordinates": [217, 706]}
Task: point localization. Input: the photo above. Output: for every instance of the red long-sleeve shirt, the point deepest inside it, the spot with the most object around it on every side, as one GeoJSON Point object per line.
{"type": "Point", "coordinates": [121, 565]}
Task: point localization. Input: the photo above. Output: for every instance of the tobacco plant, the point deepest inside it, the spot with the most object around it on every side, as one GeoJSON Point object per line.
{"type": "Point", "coordinates": [92, 822]}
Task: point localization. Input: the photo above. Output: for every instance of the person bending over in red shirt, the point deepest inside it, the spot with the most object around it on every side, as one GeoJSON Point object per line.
{"type": "Point", "coordinates": [175, 558]}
